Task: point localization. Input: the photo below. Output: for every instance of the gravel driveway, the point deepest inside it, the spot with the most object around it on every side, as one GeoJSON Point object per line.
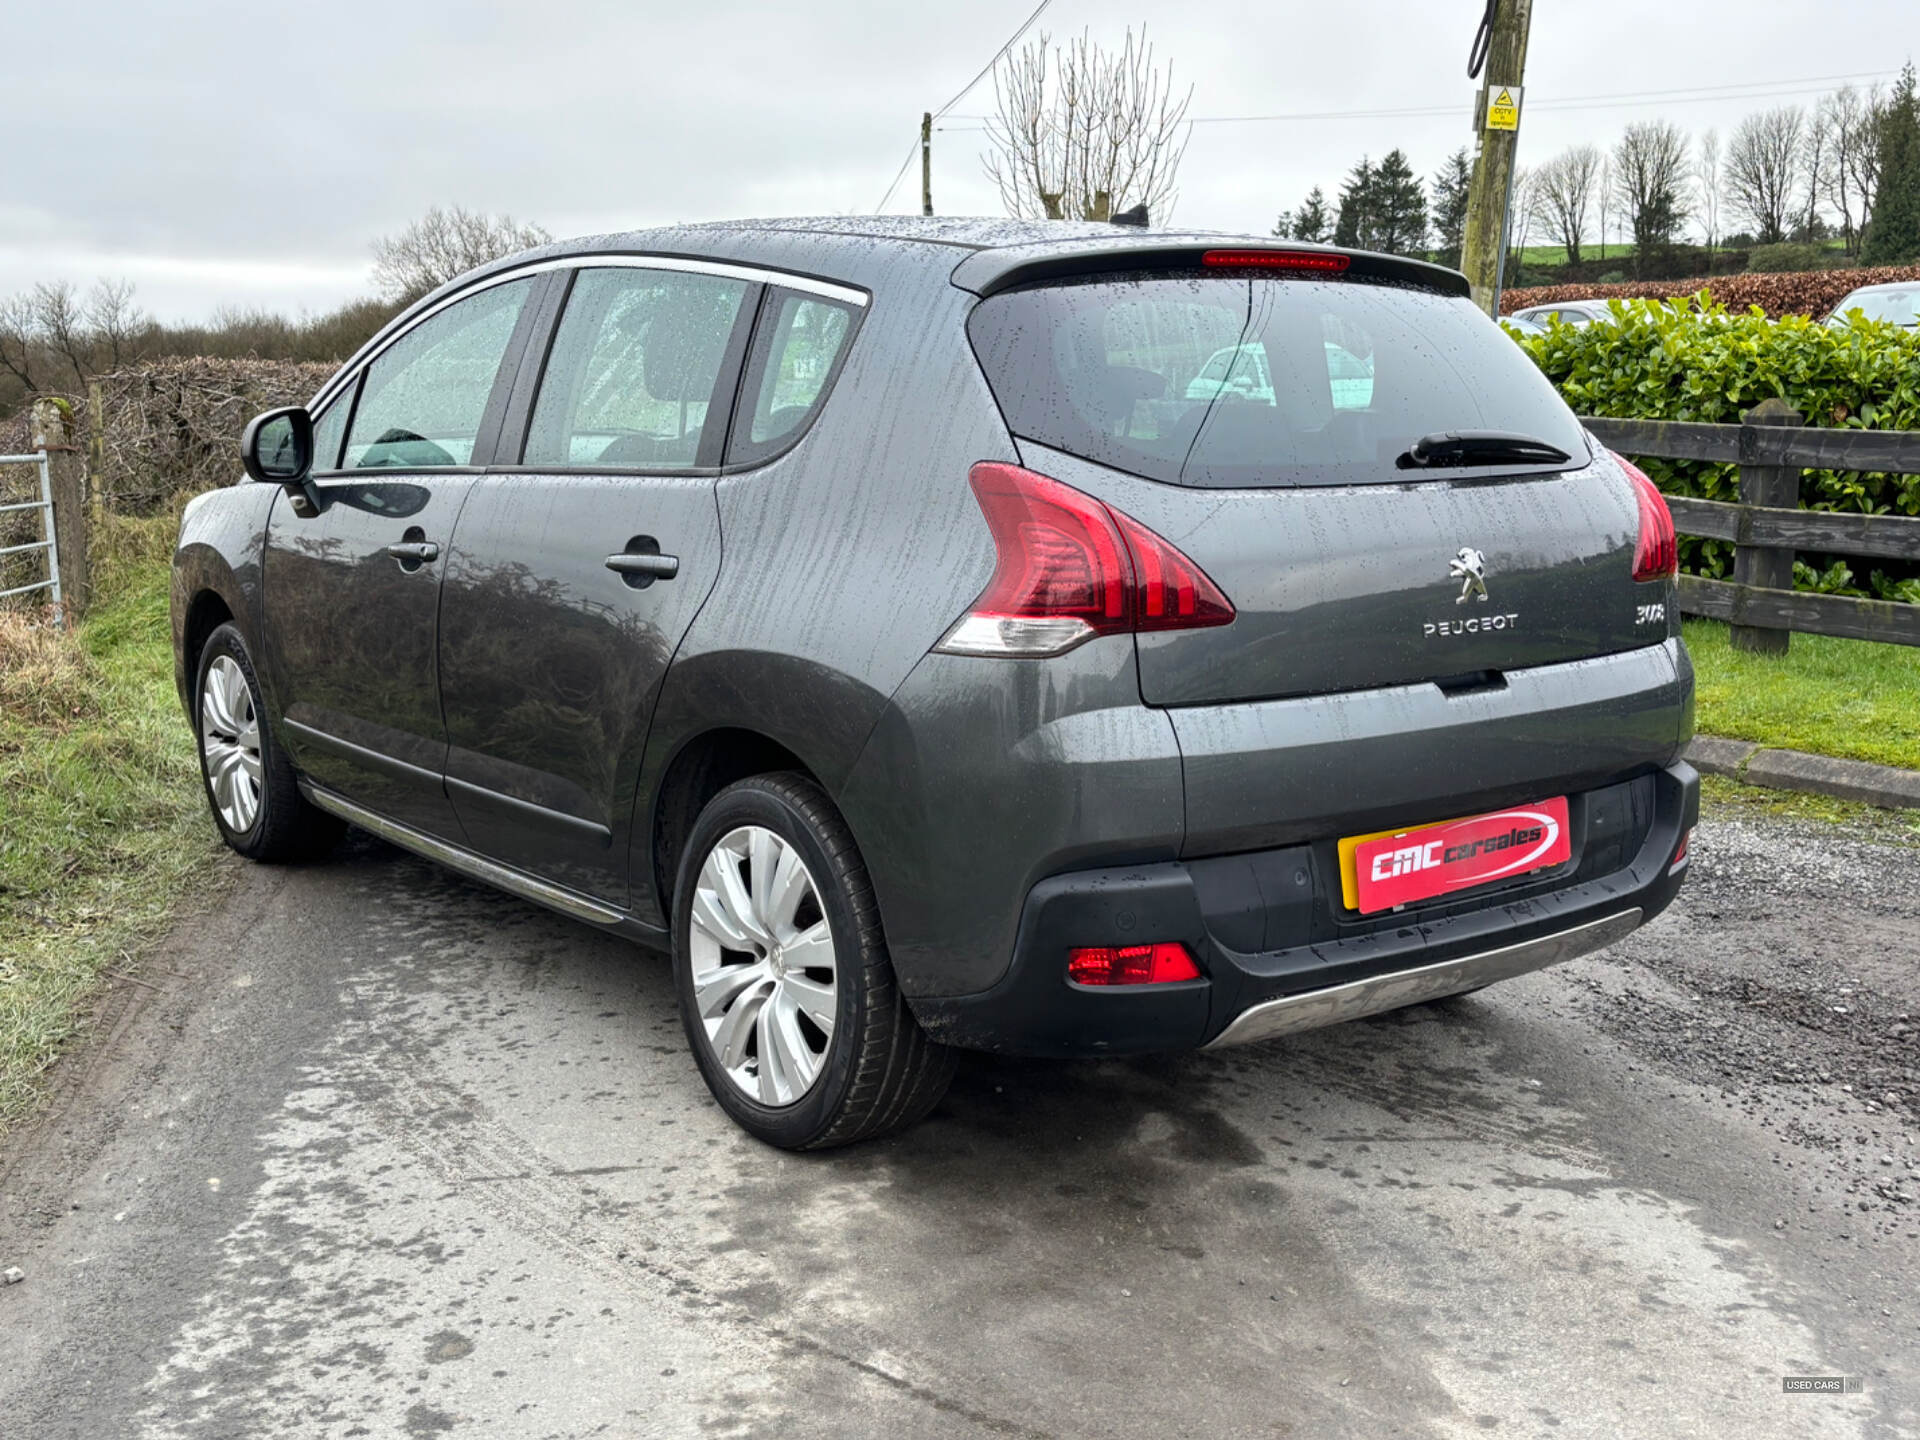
{"type": "Point", "coordinates": [388, 1154]}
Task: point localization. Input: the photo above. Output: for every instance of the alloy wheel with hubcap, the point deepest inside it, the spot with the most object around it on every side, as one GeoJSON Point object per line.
{"type": "Point", "coordinates": [764, 978]}
{"type": "Point", "coordinates": [230, 743]}
{"type": "Point", "coordinates": [786, 991]}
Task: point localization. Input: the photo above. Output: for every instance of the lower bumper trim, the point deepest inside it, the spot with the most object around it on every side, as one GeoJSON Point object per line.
{"type": "Point", "coordinates": [1291, 1014]}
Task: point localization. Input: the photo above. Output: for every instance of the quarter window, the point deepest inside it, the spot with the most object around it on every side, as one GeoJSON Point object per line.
{"type": "Point", "coordinates": [633, 370]}
{"type": "Point", "coordinates": [801, 346]}
{"type": "Point", "coordinates": [329, 429]}
{"type": "Point", "coordinates": [422, 401]}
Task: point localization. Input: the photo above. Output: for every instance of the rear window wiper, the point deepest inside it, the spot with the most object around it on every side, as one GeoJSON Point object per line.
{"type": "Point", "coordinates": [1479, 447]}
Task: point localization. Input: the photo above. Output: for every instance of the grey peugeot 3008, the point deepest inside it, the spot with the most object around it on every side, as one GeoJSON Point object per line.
{"type": "Point", "coordinates": [1040, 638]}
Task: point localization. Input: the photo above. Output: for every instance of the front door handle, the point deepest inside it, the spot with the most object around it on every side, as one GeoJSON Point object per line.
{"type": "Point", "coordinates": [642, 568]}
{"type": "Point", "coordinates": [415, 550]}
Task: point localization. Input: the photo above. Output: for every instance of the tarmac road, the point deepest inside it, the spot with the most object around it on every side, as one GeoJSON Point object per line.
{"type": "Point", "coordinates": [389, 1154]}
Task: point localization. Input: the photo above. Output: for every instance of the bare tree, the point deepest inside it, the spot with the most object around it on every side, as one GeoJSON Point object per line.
{"type": "Point", "coordinates": [61, 326]}
{"type": "Point", "coordinates": [1763, 170]}
{"type": "Point", "coordinates": [1526, 208]}
{"type": "Point", "coordinates": [1816, 159]}
{"type": "Point", "coordinates": [443, 244]}
{"type": "Point", "coordinates": [113, 322]}
{"type": "Point", "coordinates": [19, 339]}
{"type": "Point", "coordinates": [1562, 192]}
{"type": "Point", "coordinates": [1852, 177]}
{"type": "Point", "coordinates": [1649, 176]}
{"type": "Point", "coordinates": [1081, 133]}
{"type": "Point", "coordinates": [1708, 179]}
{"type": "Point", "coordinates": [1606, 201]}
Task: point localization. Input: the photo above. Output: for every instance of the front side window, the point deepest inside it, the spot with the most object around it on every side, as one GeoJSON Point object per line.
{"type": "Point", "coordinates": [633, 372]}
{"type": "Point", "coordinates": [422, 400]}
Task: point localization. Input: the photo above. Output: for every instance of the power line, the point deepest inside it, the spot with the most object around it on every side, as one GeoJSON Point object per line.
{"type": "Point", "coordinates": [987, 69]}
{"type": "Point", "coordinates": [898, 174]}
{"type": "Point", "coordinates": [1750, 90]}
{"type": "Point", "coordinates": [961, 94]}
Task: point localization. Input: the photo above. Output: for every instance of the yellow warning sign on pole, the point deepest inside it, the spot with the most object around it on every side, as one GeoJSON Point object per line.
{"type": "Point", "coordinates": [1503, 107]}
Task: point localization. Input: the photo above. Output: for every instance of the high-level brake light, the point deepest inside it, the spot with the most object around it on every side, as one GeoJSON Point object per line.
{"type": "Point", "coordinates": [1319, 261]}
{"type": "Point", "coordinates": [1163, 963]}
{"type": "Point", "coordinates": [1071, 568]}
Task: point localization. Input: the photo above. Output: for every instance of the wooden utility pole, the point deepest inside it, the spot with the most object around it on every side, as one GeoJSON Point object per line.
{"type": "Point", "coordinates": [926, 163]}
{"type": "Point", "coordinates": [1491, 192]}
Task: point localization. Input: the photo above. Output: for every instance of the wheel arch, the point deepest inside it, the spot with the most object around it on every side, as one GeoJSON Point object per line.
{"type": "Point", "coordinates": [703, 766]}
{"type": "Point", "coordinates": [207, 611]}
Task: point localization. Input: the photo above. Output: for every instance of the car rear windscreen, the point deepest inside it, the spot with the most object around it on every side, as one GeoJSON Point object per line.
{"type": "Point", "coordinates": [1230, 382]}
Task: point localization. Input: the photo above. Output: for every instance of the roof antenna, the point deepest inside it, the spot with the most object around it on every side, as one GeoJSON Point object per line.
{"type": "Point", "coordinates": [1136, 217]}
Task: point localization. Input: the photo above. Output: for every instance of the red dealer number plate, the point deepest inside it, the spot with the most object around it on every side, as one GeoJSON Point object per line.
{"type": "Point", "coordinates": [1407, 865]}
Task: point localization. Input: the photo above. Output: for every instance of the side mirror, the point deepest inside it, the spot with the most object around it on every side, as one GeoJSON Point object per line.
{"type": "Point", "coordinates": [277, 447]}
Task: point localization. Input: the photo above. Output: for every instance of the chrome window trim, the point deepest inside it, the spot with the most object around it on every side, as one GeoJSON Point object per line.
{"type": "Point", "coordinates": [752, 274]}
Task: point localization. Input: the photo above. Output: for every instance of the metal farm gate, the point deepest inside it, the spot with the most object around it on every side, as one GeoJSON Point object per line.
{"type": "Point", "coordinates": [51, 584]}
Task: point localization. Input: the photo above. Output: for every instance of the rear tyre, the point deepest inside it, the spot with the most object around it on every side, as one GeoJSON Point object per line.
{"type": "Point", "coordinates": [249, 781]}
{"type": "Point", "coordinates": [786, 989]}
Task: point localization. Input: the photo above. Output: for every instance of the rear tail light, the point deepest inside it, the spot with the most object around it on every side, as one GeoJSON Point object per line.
{"type": "Point", "coordinates": [1159, 964]}
{"type": "Point", "coordinates": [1657, 554]}
{"type": "Point", "coordinates": [1071, 568]}
{"type": "Point", "coordinates": [1316, 261]}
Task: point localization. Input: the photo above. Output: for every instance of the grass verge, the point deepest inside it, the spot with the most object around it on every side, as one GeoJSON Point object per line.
{"type": "Point", "coordinates": [1722, 799]}
{"type": "Point", "coordinates": [1851, 699]}
{"type": "Point", "coordinates": [103, 831]}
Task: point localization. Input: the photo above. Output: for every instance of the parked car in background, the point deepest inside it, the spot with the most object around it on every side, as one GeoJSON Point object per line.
{"type": "Point", "coordinates": [874, 614]}
{"type": "Point", "coordinates": [1524, 325]}
{"type": "Point", "coordinates": [1567, 312]}
{"type": "Point", "coordinates": [1897, 304]}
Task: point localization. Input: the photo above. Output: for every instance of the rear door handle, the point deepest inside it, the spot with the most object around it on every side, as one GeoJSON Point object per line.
{"type": "Point", "coordinates": [656, 567]}
{"type": "Point", "coordinates": [416, 550]}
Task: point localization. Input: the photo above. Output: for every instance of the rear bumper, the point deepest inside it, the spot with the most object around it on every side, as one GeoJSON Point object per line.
{"type": "Point", "coordinates": [1279, 953]}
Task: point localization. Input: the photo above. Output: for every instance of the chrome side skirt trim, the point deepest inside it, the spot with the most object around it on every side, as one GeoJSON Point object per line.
{"type": "Point", "coordinates": [1291, 1014]}
{"type": "Point", "coordinates": [490, 872]}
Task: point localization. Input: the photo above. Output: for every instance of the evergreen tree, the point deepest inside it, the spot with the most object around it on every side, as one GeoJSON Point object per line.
{"type": "Point", "coordinates": [1893, 235]}
{"type": "Point", "coordinates": [1399, 207]}
{"type": "Point", "coordinates": [1354, 229]}
{"type": "Point", "coordinates": [1450, 206]}
{"type": "Point", "coordinates": [1313, 223]}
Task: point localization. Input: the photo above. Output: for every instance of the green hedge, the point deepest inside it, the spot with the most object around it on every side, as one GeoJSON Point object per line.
{"type": "Point", "coordinates": [1696, 361]}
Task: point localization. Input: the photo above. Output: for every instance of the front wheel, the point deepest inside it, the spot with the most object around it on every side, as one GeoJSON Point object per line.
{"type": "Point", "coordinates": [249, 781]}
{"type": "Point", "coordinates": [786, 989]}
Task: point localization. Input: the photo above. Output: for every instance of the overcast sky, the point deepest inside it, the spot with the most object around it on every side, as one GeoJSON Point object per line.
{"type": "Point", "coordinates": [244, 152]}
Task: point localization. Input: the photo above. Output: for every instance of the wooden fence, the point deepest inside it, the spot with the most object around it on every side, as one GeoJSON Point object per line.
{"type": "Point", "coordinates": [1768, 527]}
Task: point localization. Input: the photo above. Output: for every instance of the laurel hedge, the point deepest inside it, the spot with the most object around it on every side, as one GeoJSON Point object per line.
{"type": "Point", "coordinates": [1697, 361]}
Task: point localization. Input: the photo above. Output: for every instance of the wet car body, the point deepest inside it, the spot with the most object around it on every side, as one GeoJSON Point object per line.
{"type": "Point", "coordinates": [514, 706]}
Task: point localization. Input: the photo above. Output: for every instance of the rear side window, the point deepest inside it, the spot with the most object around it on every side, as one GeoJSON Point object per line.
{"type": "Point", "coordinates": [631, 377]}
{"type": "Point", "coordinates": [422, 401]}
{"type": "Point", "coordinates": [801, 342]}
{"type": "Point", "coordinates": [1230, 382]}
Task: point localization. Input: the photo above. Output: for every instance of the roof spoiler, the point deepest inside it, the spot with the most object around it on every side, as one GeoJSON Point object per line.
{"type": "Point", "coordinates": [986, 272]}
